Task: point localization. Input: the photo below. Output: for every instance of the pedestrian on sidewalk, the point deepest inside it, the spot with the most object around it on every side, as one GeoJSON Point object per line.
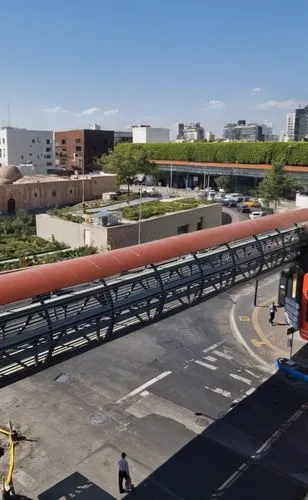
{"type": "Point", "coordinates": [123, 471]}
{"type": "Point", "coordinates": [271, 312]}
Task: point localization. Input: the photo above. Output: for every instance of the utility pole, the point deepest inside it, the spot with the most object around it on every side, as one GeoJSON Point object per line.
{"type": "Point", "coordinates": [140, 211]}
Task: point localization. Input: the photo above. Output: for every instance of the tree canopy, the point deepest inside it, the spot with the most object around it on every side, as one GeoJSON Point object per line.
{"type": "Point", "coordinates": [223, 182]}
{"type": "Point", "coordinates": [276, 184]}
{"type": "Point", "coordinates": [128, 163]}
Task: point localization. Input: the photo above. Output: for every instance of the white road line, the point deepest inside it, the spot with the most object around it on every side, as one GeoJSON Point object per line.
{"type": "Point", "coordinates": [260, 451]}
{"type": "Point", "coordinates": [253, 374]}
{"type": "Point", "coordinates": [206, 365]}
{"type": "Point", "coordinates": [212, 347]}
{"type": "Point", "coordinates": [217, 390]}
{"type": "Point", "coordinates": [210, 358]}
{"type": "Point", "coordinates": [223, 355]}
{"type": "Point", "coordinates": [144, 386]}
{"type": "Point", "coordinates": [250, 391]}
{"type": "Point", "coordinates": [242, 379]}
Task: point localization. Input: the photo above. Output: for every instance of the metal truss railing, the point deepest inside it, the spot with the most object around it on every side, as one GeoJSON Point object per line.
{"type": "Point", "coordinates": [35, 334]}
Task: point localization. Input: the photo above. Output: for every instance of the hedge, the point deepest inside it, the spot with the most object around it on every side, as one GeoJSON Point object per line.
{"type": "Point", "coordinates": [289, 153]}
{"type": "Point", "coordinates": [156, 208]}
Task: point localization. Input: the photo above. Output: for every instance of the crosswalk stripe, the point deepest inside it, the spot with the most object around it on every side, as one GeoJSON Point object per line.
{"type": "Point", "coordinates": [242, 379]}
{"type": "Point", "coordinates": [223, 355]}
{"type": "Point", "coordinates": [206, 365]}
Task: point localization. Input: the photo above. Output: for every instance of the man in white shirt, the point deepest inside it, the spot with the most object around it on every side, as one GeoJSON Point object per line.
{"type": "Point", "coordinates": [123, 471]}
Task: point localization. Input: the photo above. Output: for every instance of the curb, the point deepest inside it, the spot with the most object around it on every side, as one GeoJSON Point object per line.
{"type": "Point", "coordinates": [263, 365]}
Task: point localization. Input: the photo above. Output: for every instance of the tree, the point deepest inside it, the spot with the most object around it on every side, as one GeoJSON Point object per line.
{"type": "Point", "coordinates": [276, 184]}
{"type": "Point", "coordinates": [128, 163]}
{"type": "Point", "coordinates": [223, 182]}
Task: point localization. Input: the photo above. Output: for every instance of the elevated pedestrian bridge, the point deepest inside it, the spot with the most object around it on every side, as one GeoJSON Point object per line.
{"type": "Point", "coordinates": [53, 310]}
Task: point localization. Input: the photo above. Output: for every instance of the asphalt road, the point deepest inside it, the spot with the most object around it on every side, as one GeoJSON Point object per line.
{"type": "Point", "coordinates": [196, 416]}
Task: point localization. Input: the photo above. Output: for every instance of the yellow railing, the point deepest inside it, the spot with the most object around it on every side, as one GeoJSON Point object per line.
{"type": "Point", "coordinates": [8, 481]}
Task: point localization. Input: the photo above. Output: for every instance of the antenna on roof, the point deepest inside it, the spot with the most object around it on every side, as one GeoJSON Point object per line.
{"type": "Point", "coordinates": [8, 113]}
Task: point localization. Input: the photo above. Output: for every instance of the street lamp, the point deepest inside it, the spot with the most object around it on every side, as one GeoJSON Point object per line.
{"type": "Point", "coordinates": [139, 219]}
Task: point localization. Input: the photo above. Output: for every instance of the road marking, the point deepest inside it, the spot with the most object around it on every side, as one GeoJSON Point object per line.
{"type": "Point", "coordinates": [144, 386]}
{"type": "Point", "coordinates": [261, 334]}
{"type": "Point", "coordinates": [244, 318]}
{"type": "Point", "coordinates": [259, 343]}
{"type": "Point", "coordinates": [242, 379]}
{"type": "Point", "coordinates": [250, 391]}
{"type": "Point", "coordinates": [212, 347]}
{"type": "Point", "coordinates": [223, 355]}
{"type": "Point", "coordinates": [217, 390]}
{"type": "Point", "coordinates": [210, 358]}
{"type": "Point", "coordinates": [259, 452]}
{"type": "Point", "coordinates": [206, 365]}
{"type": "Point", "coordinates": [253, 374]}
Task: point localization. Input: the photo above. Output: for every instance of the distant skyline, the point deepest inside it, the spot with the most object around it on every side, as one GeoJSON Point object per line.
{"type": "Point", "coordinates": [70, 63]}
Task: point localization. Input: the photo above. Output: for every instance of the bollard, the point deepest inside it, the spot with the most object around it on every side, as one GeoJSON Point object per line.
{"type": "Point", "coordinates": [256, 293]}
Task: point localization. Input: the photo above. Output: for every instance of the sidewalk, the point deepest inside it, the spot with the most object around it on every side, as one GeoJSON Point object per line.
{"type": "Point", "coordinates": [267, 342]}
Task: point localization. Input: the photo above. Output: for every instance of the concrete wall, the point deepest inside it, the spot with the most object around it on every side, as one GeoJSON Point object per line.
{"type": "Point", "coordinates": [143, 135]}
{"type": "Point", "coordinates": [301, 200]}
{"type": "Point", "coordinates": [35, 146]}
{"type": "Point", "coordinates": [42, 194]}
{"type": "Point", "coordinates": [75, 235]}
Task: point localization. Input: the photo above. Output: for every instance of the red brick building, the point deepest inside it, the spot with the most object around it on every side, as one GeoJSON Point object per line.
{"type": "Point", "coordinates": [78, 148]}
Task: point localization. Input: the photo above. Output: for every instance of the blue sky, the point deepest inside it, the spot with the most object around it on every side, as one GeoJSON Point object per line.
{"type": "Point", "coordinates": [66, 63]}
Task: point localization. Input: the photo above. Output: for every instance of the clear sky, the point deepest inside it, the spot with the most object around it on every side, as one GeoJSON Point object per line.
{"type": "Point", "coordinates": [66, 63]}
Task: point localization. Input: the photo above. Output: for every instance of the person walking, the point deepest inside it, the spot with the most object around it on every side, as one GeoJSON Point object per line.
{"type": "Point", "coordinates": [271, 312]}
{"type": "Point", "coordinates": [123, 471]}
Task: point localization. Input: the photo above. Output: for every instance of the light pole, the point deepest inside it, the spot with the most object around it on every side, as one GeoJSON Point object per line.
{"type": "Point", "coordinates": [139, 220]}
{"type": "Point", "coordinates": [171, 172]}
{"type": "Point", "coordinates": [82, 169]}
{"type": "Point", "coordinates": [204, 179]}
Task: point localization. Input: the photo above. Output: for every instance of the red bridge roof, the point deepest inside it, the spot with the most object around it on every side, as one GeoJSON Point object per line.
{"type": "Point", "coordinates": [45, 278]}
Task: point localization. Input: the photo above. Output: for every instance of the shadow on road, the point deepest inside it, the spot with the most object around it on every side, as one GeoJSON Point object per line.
{"type": "Point", "coordinates": [256, 451]}
{"type": "Point", "coordinates": [75, 486]}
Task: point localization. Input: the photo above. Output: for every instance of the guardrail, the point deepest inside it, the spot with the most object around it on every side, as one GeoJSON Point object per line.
{"type": "Point", "coordinates": [35, 334]}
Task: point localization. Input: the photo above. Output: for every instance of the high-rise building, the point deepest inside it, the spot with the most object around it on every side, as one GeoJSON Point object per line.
{"type": "Point", "coordinates": [79, 148]}
{"type": "Point", "coordinates": [122, 137]}
{"type": "Point", "coordinates": [190, 132]}
{"type": "Point", "coordinates": [301, 124]}
{"type": "Point", "coordinates": [21, 146]}
{"type": "Point", "coordinates": [144, 134]}
{"type": "Point", "coordinates": [250, 132]}
{"type": "Point", "coordinates": [290, 127]}
{"type": "Point", "coordinates": [209, 136]}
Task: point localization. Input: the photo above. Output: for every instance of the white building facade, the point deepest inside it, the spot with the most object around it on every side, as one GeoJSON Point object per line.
{"type": "Point", "coordinates": [21, 146]}
{"type": "Point", "coordinates": [290, 128]}
{"type": "Point", "coordinates": [145, 134]}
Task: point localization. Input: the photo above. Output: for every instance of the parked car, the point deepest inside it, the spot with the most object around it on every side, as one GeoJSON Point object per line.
{"type": "Point", "coordinates": [244, 209]}
{"type": "Point", "coordinates": [257, 215]}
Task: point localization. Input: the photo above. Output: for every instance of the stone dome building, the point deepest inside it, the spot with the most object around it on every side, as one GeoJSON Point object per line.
{"type": "Point", "coordinates": [10, 173]}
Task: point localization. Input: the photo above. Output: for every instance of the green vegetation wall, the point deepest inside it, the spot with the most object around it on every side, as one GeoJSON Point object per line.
{"type": "Point", "coordinates": [289, 153]}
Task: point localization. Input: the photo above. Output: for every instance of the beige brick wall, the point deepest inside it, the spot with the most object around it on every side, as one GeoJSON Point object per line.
{"type": "Point", "coordinates": [37, 195]}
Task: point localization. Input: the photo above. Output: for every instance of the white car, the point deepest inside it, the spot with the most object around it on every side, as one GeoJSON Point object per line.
{"type": "Point", "coordinates": [257, 215]}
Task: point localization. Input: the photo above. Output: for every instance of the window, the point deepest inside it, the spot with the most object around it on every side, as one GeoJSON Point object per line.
{"type": "Point", "coordinates": [63, 141]}
{"type": "Point", "coordinates": [77, 141]}
{"type": "Point", "coordinates": [47, 141]}
{"type": "Point", "coordinates": [30, 154]}
{"type": "Point", "coordinates": [48, 156]}
{"type": "Point", "coordinates": [3, 141]}
{"type": "Point", "coordinates": [38, 156]}
{"type": "Point", "coordinates": [78, 148]}
{"type": "Point", "coordinates": [49, 164]}
{"type": "Point", "coordinates": [33, 141]}
{"type": "Point", "coordinates": [0, 153]}
{"type": "Point", "coordinates": [22, 157]}
{"type": "Point", "coordinates": [200, 224]}
{"type": "Point", "coordinates": [54, 194]}
{"type": "Point", "coordinates": [71, 191]}
{"type": "Point", "coordinates": [183, 229]}
{"type": "Point", "coordinates": [3, 152]}
{"type": "Point", "coordinates": [48, 150]}
{"type": "Point", "coordinates": [35, 195]}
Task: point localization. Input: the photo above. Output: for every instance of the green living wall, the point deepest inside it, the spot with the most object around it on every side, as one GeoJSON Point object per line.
{"type": "Point", "coordinates": [289, 153]}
